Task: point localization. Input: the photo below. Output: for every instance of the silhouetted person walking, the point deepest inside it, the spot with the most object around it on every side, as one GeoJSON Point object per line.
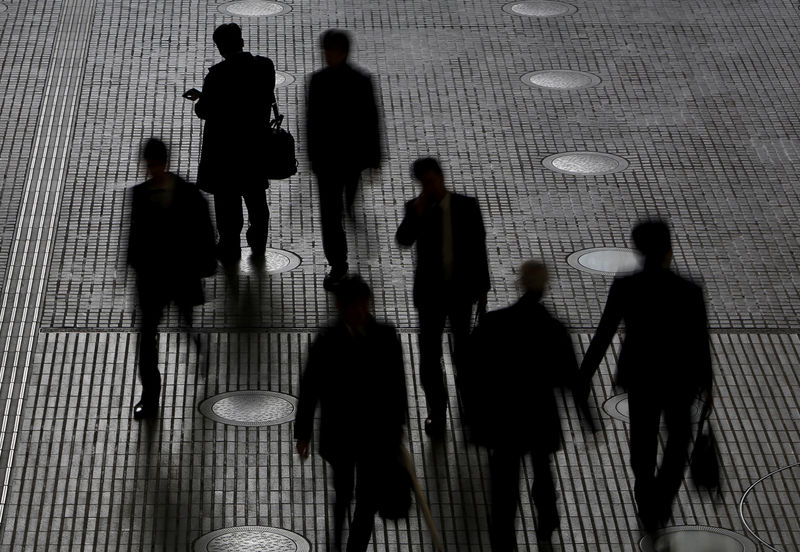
{"type": "Point", "coordinates": [171, 247]}
{"type": "Point", "coordinates": [343, 133]}
{"type": "Point", "coordinates": [452, 274]}
{"type": "Point", "coordinates": [235, 104]}
{"type": "Point", "coordinates": [518, 355]}
{"type": "Point", "coordinates": [355, 373]}
{"type": "Point", "coordinates": [664, 361]}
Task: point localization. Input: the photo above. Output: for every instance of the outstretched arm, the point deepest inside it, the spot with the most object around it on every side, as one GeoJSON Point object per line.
{"type": "Point", "coordinates": [612, 316]}
{"type": "Point", "coordinates": [308, 398]}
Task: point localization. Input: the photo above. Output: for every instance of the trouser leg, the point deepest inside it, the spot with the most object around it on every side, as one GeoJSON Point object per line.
{"type": "Point", "coordinates": [350, 190]}
{"type": "Point", "coordinates": [152, 307]}
{"type": "Point", "coordinates": [258, 215]}
{"type": "Point", "coordinates": [544, 495]}
{"type": "Point", "coordinates": [504, 469]}
{"type": "Point", "coordinates": [673, 464]}
{"type": "Point", "coordinates": [334, 243]}
{"type": "Point", "coordinates": [460, 315]}
{"type": "Point", "coordinates": [343, 481]}
{"type": "Point", "coordinates": [431, 327]}
{"type": "Point", "coordinates": [645, 414]}
{"type": "Point", "coordinates": [228, 210]}
{"type": "Point", "coordinates": [367, 481]}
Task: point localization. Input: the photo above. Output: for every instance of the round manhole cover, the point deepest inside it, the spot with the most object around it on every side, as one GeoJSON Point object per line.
{"type": "Point", "coordinates": [561, 79]}
{"type": "Point", "coordinates": [283, 79]}
{"type": "Point", "coordinates": [254, 8]}
{"type": "Point", "coordinates": [250, 408]}
{"type": "Point", "coordinates": [777, 492]}
{"type": "Point", "coordinates": [606, 261]}
{"type": "Point", "coordinates": [617, 408]}
{"type": "Point", "coordinates": [585, 163]}
{"type": "Point", "coordinates": [696, 538]}
{"type": "Point", "coordinates": [540, 8]}
{"type": "Point", "coordinates": [252, 538]}
{"type": "Point", "coordinates": [277, 260]}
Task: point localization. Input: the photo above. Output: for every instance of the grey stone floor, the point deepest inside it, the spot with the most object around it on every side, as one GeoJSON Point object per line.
{"type": "Point", "coordinates": [700, 97]}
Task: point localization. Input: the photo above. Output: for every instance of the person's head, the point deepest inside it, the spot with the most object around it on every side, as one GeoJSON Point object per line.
{"type": "Point", "coordinates": [228, 38]}
{"type": "Point", "coordinates": [533, 277]}
{"type": "Point", "coordinates": [155, 156]}
{"type": "Point", "coordinates": [651, 238]}
{"type": "Point", "coordinates": [352, 301]}
{"type": "Point", "coordinates": [335, 45]}
{"type": "Point", "coordinates": [429, 173]}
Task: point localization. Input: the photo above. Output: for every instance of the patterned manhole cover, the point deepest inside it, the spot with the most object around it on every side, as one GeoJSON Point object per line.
{"type": "Point", "coordinates": [561, 79]}
{"type": "Point", "coordinates": [277, 260]}
{"type": "Point", "coordinates": [251, 538]}
{"type": "Point", "coordinates": [777, 492]}
{"type": "Point", "coordinates": [254, 8]}
{"type": "Point", "coordinates": [540, 8]}
{"type": "Point", "coordinates": [283, 79]}
{"type": "Point", "coordinates": [617, 408]}
{"type": "Point", "coordinates": [605, 261]}
{"type": "Point", "coordinates": [585, 163]}
{"type": "Point", "coordinates": [250, 408]}
{"type": "Point", "coordinates": [696, 538]}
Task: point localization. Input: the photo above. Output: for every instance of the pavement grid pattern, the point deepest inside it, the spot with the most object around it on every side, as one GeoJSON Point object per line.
{"type": "Point", "coordinates": [700, 97]}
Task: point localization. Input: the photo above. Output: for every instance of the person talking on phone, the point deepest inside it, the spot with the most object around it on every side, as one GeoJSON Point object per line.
{"type": "Point", "coordinates": [235, 104]}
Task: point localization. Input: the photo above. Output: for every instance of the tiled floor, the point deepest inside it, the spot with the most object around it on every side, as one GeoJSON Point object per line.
{"type": "Point", "coordinates": [701, 98]}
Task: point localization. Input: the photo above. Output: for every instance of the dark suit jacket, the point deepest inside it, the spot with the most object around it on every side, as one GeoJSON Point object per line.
{"type": "Point", "coordinates": [172, 245]}
{"type": "Point", "coordinates": [237, 95]}
{"type": "Point", "coordinates": [666, 350]}
{"type": "Point", "coordinates": [470, 262]}
{"type": "Point", "coordinates": [343, 124]}
{"type": "Point", "coordinates": [360, 386]}
{"type": "Point", "coordinates": [519, 354]}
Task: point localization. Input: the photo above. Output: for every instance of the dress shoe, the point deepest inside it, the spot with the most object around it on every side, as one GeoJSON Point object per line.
{"type": "Point", "coordinates": [144, 410]}
{"type": "Point", "coordinates": [435, 428]}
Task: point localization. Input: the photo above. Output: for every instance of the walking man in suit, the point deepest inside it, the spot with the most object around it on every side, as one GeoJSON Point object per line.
{"type": "Point", "coordinates": [355, 373]}
{"type": "Point", "coordinates": [664, 361]}
{"type": "Point", "coordinates": [235, 103]}
{"type": "Point", "coordinates": [343, 134]}
{"type": "Point", "coordinates": [171, 247]}
{"type": "Point", "coordinates": [518, 355]}
{"type": "Point", "coordinates": [452, 275]}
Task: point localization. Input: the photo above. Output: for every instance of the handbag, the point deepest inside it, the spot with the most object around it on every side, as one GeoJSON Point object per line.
{"type": "Point", "coordinates": [281, 160]}
{"type": "Point", "coordinates": [704, 464]}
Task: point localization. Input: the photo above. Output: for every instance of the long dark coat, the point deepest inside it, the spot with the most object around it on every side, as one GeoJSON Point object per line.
{"type": "Point", "coordinates": [342, 121]}
{"type": "Point", "coordinates": [518, 356]}
{"type": "Point", "coordinates": [235, 104]}
{"type": "Point", "coordinates": [470, 262]}
{"type": "Point", "coordinates": [666, 351]}
{"type": "Point", "coordinates": [359, 384]}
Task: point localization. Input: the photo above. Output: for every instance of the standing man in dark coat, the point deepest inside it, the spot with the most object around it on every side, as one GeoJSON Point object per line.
{"type": "Point", "coordinates": [355, 373]}
{"type": "Point", "coordinates": [171, 247]}
{"type": "Point", "coordinates": [343, 134]}
{"type": "Point", "coordinates": [452, 275]}
{"type": "Point", "coordinates": [664, 361]}
{"type": "Point", "coordinates": [235, 104]}
{"type": "Point", "coordinates": [518, 355]}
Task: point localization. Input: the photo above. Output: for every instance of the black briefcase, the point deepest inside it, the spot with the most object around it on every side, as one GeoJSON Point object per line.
{"type": "Point", "coordinates": [704, 464]}
{"type": "Point", "coordinates": [281, 160]}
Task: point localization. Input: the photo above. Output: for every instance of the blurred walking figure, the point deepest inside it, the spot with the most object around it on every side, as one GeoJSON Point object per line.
{"type": "Point", "coordinates": [171, 248]}
{"type": "Point", "coordinates": [664, 361]}
{"type": "Point", "coordinates": [343, 134]}
{"type": "Point", "coordinates": [452, 274]}
{"type": "Point", "coordinates": [235, 104]}
{"type": "Point", "coordinates": [355, 373]}
{"type": "Point", "coordinates": [519, 354]}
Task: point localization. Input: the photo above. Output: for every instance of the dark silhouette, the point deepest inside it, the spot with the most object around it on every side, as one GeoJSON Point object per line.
{"type": "Point", "coordinates": [517, 356]}
{"type": "Point", "coordinates": [171, 247]}
{"type": "Point", "coordinates": [452, 274]}
{"type": "Point", "coordinates": [235, 104]}
{"type": "Point", "coordinates": [343, 133]}
{"type": "Point", "coordinates": [355, 373]}
{"type": "Point", "coordinates": [664, 361]}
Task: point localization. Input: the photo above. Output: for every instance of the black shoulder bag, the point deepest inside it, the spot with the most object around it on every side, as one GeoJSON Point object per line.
{"type": "Point", "coordinates": [281, 161]}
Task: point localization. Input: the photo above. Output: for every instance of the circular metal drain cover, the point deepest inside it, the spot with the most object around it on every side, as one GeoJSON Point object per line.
{"type": "Point", "coordinates": [250, 408]}
{"type": "Point", "coordinates": [561, 79]}
{"type": "Point", "coordinates": [283, 79]}
{"type": "Point", "coordinates": [617, 408]}
{"type": "Point", "coordinates": [540, 8]}
{"type": "Point", "coordinates": [251, 538]}
{"type": "Point", "coordinates": [606, 261]}
{"type": "Point", "coordinates": [696, 538]}
{"type": "Point", "coordinates": [254, 8]}
{"type": "Point", "coordinates": [585, 163]}
{"type": "Point", "coordinates": [777, 492]}
{"type": "Point", "coordinates": [277, 260]}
